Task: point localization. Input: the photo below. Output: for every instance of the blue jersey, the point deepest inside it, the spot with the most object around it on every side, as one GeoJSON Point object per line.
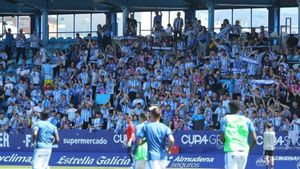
{"type": "Point", "coordinates": [48, 71]}
{"type": "Point", "coordinates": [156, 134]}
{"type": "Point", "coordinates": [45, 134]}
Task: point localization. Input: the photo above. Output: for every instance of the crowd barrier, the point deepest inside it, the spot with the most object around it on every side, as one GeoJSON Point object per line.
{"type": "Point", "coordinates": [198, 149]}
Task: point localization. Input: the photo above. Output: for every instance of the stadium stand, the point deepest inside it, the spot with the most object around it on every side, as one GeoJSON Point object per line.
{"type": "Point", "coordinates": [92, 82]}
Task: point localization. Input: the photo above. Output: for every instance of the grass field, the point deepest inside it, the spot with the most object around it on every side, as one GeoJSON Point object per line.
{"type": "Point", "coordinates": [28, 167]}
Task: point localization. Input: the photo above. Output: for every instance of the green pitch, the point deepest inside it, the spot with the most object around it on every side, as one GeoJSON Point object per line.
{"type": "Point", "coordinates": [28, 167]}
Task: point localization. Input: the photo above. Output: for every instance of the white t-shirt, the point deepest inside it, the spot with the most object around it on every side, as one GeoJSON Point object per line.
{"type": "Point", "coordinates": [35, 77]}
{"type": "Point", "coordinates": [4, 122]}
{"type": "Point", "coordinates": [296, 124]}
{"type": "Point", "coordinates": [37, 109]}
{"type": "Point", "coordinates": [71, 114]}
{"type": "Point", "coordinates": [269, 140]}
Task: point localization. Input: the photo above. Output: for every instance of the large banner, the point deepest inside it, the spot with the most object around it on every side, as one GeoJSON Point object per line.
{"type": "Point", "coordinates": [70, 141]}
{"type": "Point", "coordinates": [198, 149]}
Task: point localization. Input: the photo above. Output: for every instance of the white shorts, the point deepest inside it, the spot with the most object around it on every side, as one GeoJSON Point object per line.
{"type": "Point", "coordinates": [236, 160]}
{"type": "Point", "coordinates": [140, 164]}
{"type": "Point", "coordinates": [41, 158]}
{"type": "Point", "coordinates": [156, 164]}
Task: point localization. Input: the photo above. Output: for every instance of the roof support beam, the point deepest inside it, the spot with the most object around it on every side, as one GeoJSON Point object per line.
{"type": "Point", "coordinates": [45, 35]}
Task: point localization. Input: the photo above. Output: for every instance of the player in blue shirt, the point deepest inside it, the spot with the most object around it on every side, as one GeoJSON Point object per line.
{"type": "Point", "coordinates": [44, 135]}
{"type": "Point", "coordinates": [156, 135]}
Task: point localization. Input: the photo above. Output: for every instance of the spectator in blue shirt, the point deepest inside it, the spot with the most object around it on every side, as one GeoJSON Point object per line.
{"type": "Point", "coordinates": [106, 29]}
{"type": "Point", "coordinates": [9, 43]}
{"type": "Point", "coordinates": [198, 120]}
{"type": "Point", "coordinates": [20, 45]}
{"type": "Point", "coordinates": [157, 18]}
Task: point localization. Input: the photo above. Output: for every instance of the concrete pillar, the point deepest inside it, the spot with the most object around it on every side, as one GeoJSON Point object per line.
{"type": "Point", "coordinates": [211, 15]}
{"type": "Point", "coordinates": [45, 36]}
{"type": "Point", "coordinates": [38, 20]}
{"type": "Point", "coordinates": [125, 16]}
{"type": "Point", "coordinates": [274, 19]}
{"type": "Point", "coordinates": [114, 24]}
{"type": "Point", "coordinates": [32, 23]}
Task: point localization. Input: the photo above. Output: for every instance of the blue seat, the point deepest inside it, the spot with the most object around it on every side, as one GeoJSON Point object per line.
{"type": "Point", "coordinates": [52, 40]}
{"type": "Point", "coordinates": [69, 39]}
{"type": "Point", "coordinates": [94, 38]}
{"type": "Point", "coordinates": [60, 40]}
{"type": "Point", "coordinates": [66, 46]}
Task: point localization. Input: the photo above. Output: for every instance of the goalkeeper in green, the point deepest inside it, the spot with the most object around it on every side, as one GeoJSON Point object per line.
{"type": "Point", "coordinates": [140, 150]}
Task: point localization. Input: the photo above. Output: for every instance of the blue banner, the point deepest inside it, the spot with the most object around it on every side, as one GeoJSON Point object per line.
{"type": "Point", "coordinates": [79, 140]}
{"type": "Point", "coordinates": [104, 148]}
{"type": "Point", "coordinates": [194, 142]}
{"type": "Point", "coordinates": [208, 160]}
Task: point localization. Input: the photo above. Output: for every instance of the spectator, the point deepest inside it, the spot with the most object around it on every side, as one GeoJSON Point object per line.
{"type": "Point", "coordinates": [9, 42]}
{"type": "Point", "coordinates": [48, 72]}
{"type": "Point", "coordinates": [157, 18]}
{"type": "Point", "coordinates": [169, 30]}
{"type": "Point", "coordinates": [198, 120]}
{"type": "Point", "coordinates": [263, 33]}
{"type": "Point", "coordinates": [178, 25]}
{"type": "Point", "coordinates": [99, 35]}
{"type": "Point", "coordinates": [4, 123]}
{"type": "Point", "coordinates": [16, 124]}
{"type": "Point", "coordinates": [106, 29]}
{"type": "Point", "coordinates": [203, 41]}
{"type": "Point", "coordinates": [20, 45]}
{"type": "Point", "coordinates": [176, 122]}
{"type": "Point", "coordinates": [131, 26]}
{"type": "Point", "coordinates": [97, 122]}
{"type": "Point", "coordinates": [253, 34]}
{"type": "Point", "coordinates": [34, 42]}
{"type": "Point", "coordinates": [237, 29]}
{"type": "Point", "coordinates": [78, 121]}
{"type": "Point", "coordinates": [78, 39]}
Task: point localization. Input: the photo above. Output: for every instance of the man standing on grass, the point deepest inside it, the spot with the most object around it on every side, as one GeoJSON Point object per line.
{"type": "Point", "coordinates": [44, 135]}
{"type": "Point", "coordinates": [235, 130]}
{"type": "Point", "coordinates": [140, 151]}
{"type": "Point", "coordinates": [156, 135]}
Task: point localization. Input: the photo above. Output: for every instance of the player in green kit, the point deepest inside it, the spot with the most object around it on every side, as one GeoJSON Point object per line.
{"type": "Point", "coordinates": [140, 151]}
{"type": "Point", "coordinates": [235, 131]}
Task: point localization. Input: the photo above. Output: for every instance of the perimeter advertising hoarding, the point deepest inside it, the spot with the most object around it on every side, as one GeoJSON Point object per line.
{"type": "Point", "coordinates": [104, 148]}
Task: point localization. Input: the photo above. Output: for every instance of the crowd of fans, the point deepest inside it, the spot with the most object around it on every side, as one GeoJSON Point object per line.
{"type": "Point", "coordinates": [191, 72]}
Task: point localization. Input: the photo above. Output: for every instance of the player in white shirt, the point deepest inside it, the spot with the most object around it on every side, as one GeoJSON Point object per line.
{"type": "Point", "coordinates": [269, 145]}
